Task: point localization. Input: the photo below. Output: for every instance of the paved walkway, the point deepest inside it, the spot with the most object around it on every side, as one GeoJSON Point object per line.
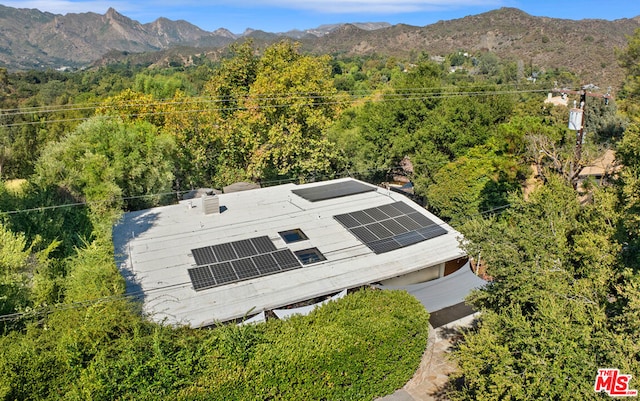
{"type": "Point", "coordinates": [428, 383]}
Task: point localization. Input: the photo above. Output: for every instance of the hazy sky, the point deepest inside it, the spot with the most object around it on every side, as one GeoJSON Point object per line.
{"type": "Point", "coordinates": [284, 15]}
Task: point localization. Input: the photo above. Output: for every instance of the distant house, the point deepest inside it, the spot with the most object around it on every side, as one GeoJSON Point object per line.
{"type": "Point", "coordinates": [561, 100]}
{"type": "Point", "coordinates": [221, 257]}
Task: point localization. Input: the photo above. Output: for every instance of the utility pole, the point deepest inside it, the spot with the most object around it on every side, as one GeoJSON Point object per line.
{"type": "Point", "coordinates": [580, 132]}
{"type": "Point", "coordinates": [579, 126]}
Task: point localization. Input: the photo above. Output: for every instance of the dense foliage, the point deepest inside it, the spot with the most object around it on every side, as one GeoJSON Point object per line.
{"type": "Point", "coordinates": [78, 149]}
{"type": "Point", "coordinates": [545, 328]}
{"type": "Point", "coordinates": [361, 347]}
{"type": "Point", "coordinates": [105, 159]}
{"type": "Point", "coordinates": [563, 301]}
{"type": "Point", "coordinates": [340, 351]}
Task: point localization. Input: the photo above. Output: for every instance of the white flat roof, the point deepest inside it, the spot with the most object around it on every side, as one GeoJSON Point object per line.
{"type": "Point", "coordinates": [153, 250]}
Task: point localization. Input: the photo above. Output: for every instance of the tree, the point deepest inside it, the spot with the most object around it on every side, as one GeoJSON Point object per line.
{"type": "Point", "coordinates": [6, 151]}
{"type": "Point", "coordinates": [472, 184]}
{"type": "Point", "coordinates": [464, 121]}
{"type": "Point", "coordinates": [290, 108]}
{"type": "Point", "coordinates": [547, 321]}
{"type": "Point", "coordinates": [629, 59]}
{"type": "Point", "coordinates": [14, 261]}
{"type": "Point", "coordinates": [275, 114]}
{"type": "Point", "coordinates": [232, 82]}
{"type": "Point", "coordinates": [565, 295]}
{"type": "Point", "coordinates": [552, 149]}
{"type": "Point", "coordinates": [603, 121]}
{"type": "Point", "coordinates": [160, 86]}
{"type": "Point", "coordinates": [628, 184]}
{"type": "Point", "coordinates": [4, 81]}
{"type": "Point", "coordinates": [628, 154]}
{"type": "Point", "coordinates": [129, 105]}
{"type": "Point", "coordinates": [488, 64]}
{"type": "Point", "coordinates": [374, 136]}
{"type": "Point", "coordinates": [199, 132]}
{"type": "Point", "coordinates": [106, 158]}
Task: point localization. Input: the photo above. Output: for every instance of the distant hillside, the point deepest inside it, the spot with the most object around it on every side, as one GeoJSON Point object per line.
{"type": "Point", "coordinates": [585, 47]}
{"type": "Point", "coordinates": [30, 39]}
{"type": "Point", "coordinates": [328, 28]}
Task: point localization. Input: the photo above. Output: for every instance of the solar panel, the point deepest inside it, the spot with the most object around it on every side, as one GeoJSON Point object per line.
{"type": "Point", "coordinates": [379, 231]}
{"type": "Point", "coordinates": [347, 220]}
{"type": "Point", "coordinates": [266, 264]}
{"type": "Point", "coordinates": [403, 207]}
{"type": "Point", "coordinates": [421, 219]}
{"type": "Point", "coordinates": [334, 190]}
{"type": "Point", "coordinates": [245, 268]}
{"type": "Point", "coordinates": [384, 245]}
{"type": "Point", "coordinates": [389, 210]}
{"type": "Point", "coordinates": [224, 252]}
{"type": "Point", "coordinates": [223, 273]}
{"type": "Point", "coordinates": [432, 231]}
{"type": "Point", "coordinates": [244, 248]}
{"type": "Point", "coordinates": [286, 259]}
{"type": "Point", "coordinates": [389, 227]}
{"type": "Point", "coordinates": [364, 234]}
{"type": "Point", "coordinates": [393, 226]}
{"type": "Point", "coordinates": [362, 218]}
{"type": "Point", "coordinates": [203, 256]}
{"type": "Point", "coordinates": [237, 261]}
{"type": "Point", "coordinates": [377, 214]}
{"type": "Point", "coordinates": [201, 277]}
{"type": "Point", "coordinates": [263, 244]}
{"type": "Point", "coordinates": [407, 223]}
{"type": "Point", "coordinates": [409, 238]}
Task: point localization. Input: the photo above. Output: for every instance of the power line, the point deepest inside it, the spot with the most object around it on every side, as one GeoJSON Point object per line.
{"type": "Point", "coordinates": [86, 203]}
{"type": "Point", "coordinates": [180, 192]}
{"type": "Point", "coordinates": [257, 96]}
{"type": "Point", "coordinates": [335, 100]}
{"type": "Point", "coordinates": [385, 97]}
{"type": "Point", "coordinates": [129, 295]}
{"type": "Point", "coordinates": [137, 294]}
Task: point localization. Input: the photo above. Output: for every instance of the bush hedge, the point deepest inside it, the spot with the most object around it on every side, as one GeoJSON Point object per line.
{"type": "Point", "coordinates": [361, 347]}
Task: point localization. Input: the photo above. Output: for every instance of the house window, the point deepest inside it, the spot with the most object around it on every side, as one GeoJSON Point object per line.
{"type": "Point", "coordinates": [311, 255]}
{"type": "Point", "coordinates": [294, 235]}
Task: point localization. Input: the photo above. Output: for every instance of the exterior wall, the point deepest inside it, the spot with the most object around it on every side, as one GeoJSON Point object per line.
{"type": "Point", "coordinates": [453, 265]}
{"type": "Point", "coordinates": [420, 276]}
{"type": "Point", "coordinates": [428, 273]}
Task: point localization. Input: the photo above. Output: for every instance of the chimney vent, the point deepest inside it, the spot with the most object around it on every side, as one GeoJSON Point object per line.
{"type": "Point", "coordinates": [210, 204]}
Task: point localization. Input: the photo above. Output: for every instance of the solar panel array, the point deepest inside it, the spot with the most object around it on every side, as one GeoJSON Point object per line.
{"type": "Point", "coordinates": [237, 261]}
{"type": "Point", "coordinates": [334, 190]}
{"type": "Point", "coordinates": [390, 227]}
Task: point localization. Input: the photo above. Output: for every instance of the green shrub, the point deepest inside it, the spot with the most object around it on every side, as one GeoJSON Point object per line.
{"type": "Point", "coordinates": [361, 347]}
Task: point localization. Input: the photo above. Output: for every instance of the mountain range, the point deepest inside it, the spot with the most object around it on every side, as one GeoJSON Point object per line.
{"type": "Point", "coordinates": [31, 39]}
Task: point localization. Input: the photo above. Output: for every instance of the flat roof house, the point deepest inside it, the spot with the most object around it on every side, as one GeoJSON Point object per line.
{"type": "Point", "coordinates": [219, 258]}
